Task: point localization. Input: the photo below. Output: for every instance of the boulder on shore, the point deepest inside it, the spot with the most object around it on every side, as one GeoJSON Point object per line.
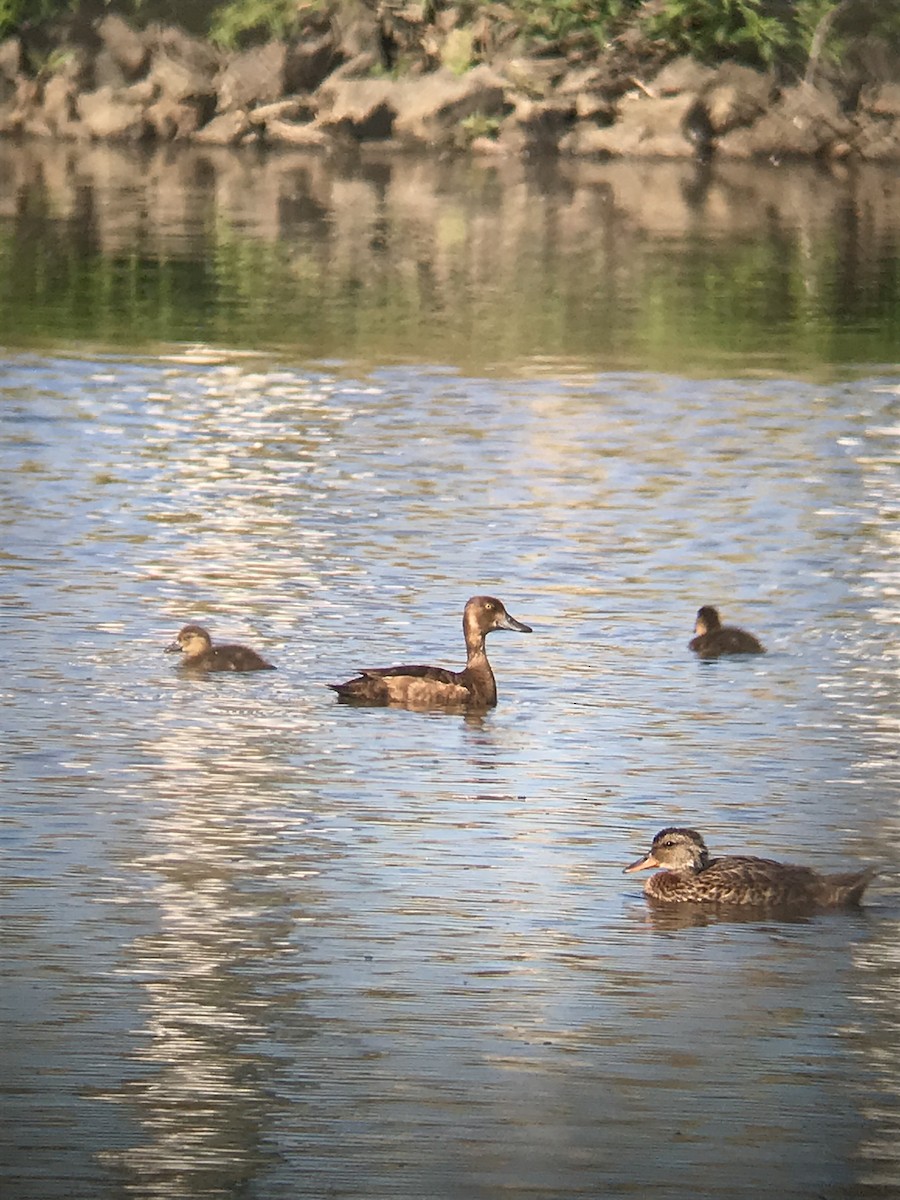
{"type": "Point", "coordinates": [464, 82]}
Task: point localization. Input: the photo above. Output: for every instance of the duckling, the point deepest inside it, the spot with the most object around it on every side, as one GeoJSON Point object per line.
{"type": "Point", "coordinates": [713, 638]}
{"type": "Point", "coordinates": [690, 876]}
{"type": "Point", "coordinates": [195, 644]}
{"type": "Point", "coordinates": [435, 687]}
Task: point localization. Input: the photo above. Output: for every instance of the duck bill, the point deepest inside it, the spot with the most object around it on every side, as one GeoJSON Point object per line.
{"type": "Point", "coordinates": [641, 864]}
{"type": "Point", "coordinates": [173, 649]}
{"type": "Point", "coordinates": [517, 626]}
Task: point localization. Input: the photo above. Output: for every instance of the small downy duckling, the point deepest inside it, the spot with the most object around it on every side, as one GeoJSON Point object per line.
{"type": "Point", "coordinates": [690, 876]}
{"type": "Point", "coordinates": [421, 687]}
{"type": "Point", "coordinates": [714, 639]}
{"type": "Point", "coordinates": [198, 652]}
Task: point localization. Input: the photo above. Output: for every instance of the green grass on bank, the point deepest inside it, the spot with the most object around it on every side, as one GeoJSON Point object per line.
{"type": "Point", "coordinates": [757, 32]}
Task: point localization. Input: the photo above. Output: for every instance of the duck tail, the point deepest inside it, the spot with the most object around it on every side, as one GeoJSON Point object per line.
{"type": "Point", "coordinates": [848, 888]}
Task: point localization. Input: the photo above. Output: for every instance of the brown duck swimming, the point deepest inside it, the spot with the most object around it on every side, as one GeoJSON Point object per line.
{"type": "Point", "coordinates": [198, 652]}
{"type": "Point", "coordinates": [713, 638]}
{"type": "Point", "coordinates": [435, 687]}
{"type": "Point", "coordinates": [690, 876]}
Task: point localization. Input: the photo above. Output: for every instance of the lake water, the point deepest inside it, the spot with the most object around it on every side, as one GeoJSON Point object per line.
{"type": "Point", "coordinates": [258, 944]}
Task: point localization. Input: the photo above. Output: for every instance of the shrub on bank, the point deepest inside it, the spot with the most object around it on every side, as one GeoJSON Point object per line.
{"type": "Point", "coordinates": [757, 32]}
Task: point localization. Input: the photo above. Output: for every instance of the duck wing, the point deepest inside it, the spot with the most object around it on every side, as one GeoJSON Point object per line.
{"type": "Point", "coordinates": [438, 674]}
{"type": "Point", "coordinates": [727, 640]}
{"type": "Point", "coordinates": [237, 658]}
{"type": "Point", "coordinates": [747, 880]}
{"type": "Point", "coordinates": [733, 880]}
{"type": "Point", "coordinates": [413, 684]}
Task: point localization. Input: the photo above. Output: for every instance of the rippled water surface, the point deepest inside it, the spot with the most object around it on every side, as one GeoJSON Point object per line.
{"type": "Point", "coordinates": [261, 944]}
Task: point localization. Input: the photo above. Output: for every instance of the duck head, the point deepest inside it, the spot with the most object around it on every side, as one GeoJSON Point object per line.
{"type": "Point", "coordinates": [707, 620]}
{"type": "Point", "coordinates": [484, 613]}
{"type": "Point", "coordinates": [673, 849]}
{"type": "Point", "coordinates": [191, 640]}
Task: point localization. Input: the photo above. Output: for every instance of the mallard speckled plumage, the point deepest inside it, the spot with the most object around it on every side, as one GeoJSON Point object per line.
{"type": "Point", "coordinates": [690, 876]}
{"type": "Point", "coordinates": [198, 652]}
{"type": "Point", "coordinates": [714, 639]}
{"type": "Point", "coordinates": [436, 687]}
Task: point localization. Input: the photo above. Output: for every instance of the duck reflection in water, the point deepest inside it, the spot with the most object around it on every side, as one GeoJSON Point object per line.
{"type": "Point", "coordinates": [690, 876]}
{"type": "Point", "coordinates": [715, 639]}
{"type": "Point", "coordinates": [199, 654]}
{"type": "Point", "coordinates": [423, 687]}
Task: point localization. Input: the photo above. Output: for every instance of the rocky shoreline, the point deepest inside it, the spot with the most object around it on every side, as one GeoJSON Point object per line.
{"type": "Point", "coordinates": [330, 87]}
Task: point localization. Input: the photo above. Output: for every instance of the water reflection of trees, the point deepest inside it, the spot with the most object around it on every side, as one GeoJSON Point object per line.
{"type": "Point", "coordinates": [623, 260]}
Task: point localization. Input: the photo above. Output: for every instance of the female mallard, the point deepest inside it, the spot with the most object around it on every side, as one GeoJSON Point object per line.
{"type": "Point", "coordinates": [198, 652]}
{"type": "Point", "coordinates": [713, 638]}
{"type": "Point", "coordinates": [435, 687]}
{"type": "Point", "coordinates": [690, 876]}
